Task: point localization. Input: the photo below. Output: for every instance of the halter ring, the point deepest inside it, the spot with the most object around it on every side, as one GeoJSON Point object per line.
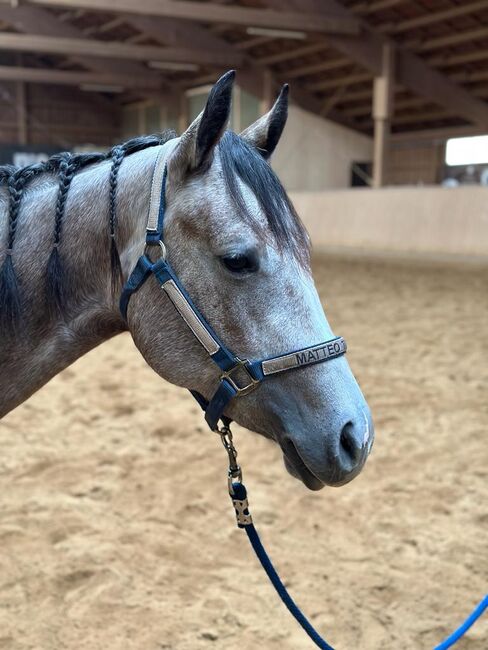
{"type": "Point", "coordinates": [240, 390]}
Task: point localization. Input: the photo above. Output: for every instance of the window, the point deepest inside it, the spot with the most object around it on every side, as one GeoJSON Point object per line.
{"type": "Point", "coordinates": [467, 151]}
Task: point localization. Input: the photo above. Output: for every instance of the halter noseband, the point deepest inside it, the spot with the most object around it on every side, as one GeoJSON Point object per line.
{"type": "Point", "coordinates": [238, 376]}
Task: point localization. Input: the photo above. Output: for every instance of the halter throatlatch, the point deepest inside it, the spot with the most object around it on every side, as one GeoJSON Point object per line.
{"type": "Point", "coordinates": [238, 376]}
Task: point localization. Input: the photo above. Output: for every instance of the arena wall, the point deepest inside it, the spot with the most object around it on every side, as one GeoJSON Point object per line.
{"type": "Point", "coordinates": [432, 221]}
{"type": "Point", "coordinates": [316, 154]}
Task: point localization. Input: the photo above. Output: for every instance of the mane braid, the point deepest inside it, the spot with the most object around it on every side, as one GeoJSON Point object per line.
{"type": "Point", "coordinates": [118, 154]}
{"type": "Point", "coordinates": [66, 166]}
{"type": "Point", "coordinates": [10, 309]}
{"type": "Point", "coordinates": [55, 285]}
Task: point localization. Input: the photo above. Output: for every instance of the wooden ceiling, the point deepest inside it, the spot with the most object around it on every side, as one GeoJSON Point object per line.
{"type": "Point", "coordinates": [330, 57]}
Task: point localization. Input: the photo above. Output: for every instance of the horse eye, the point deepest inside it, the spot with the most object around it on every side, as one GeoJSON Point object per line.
{"type": "Point", "coordinates": [240, 263]}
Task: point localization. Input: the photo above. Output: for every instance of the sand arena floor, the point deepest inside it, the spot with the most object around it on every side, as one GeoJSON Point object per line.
{"type": "Point", "coordinates": [116, 531]}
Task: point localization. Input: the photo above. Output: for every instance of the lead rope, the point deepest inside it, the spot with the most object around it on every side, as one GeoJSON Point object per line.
{"type": "Point", "coordinates": [238, 494]}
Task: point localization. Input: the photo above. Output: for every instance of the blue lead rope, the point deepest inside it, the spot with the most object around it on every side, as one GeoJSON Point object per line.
{"type": "Point", "coordinates": [462, 629]}
{"type": "Point", "coordinates": [244, 520]}
{"type": "Point", "coordinates": [239, 499]}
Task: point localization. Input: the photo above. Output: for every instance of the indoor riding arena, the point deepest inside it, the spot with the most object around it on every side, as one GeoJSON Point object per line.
{"type": "Point", "coordinates": [116, 527]}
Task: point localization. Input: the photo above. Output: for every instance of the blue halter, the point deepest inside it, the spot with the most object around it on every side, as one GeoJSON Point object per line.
{"type": "Point", "coordinates": [238, 376]}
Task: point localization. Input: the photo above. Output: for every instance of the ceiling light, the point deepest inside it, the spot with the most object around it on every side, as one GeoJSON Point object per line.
{"type": "Point", "coordinates": [276, 33]}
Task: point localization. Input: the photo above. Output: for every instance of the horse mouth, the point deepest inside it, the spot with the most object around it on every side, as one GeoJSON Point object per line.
{"type": "Point", "coordinates": [297, 468]}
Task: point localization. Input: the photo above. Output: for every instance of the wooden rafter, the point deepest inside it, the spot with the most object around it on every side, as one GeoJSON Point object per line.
{"type": "Point", "coordinates": [321, 66]}
{"type": "Point", "coordinates": [440, 134]}
{"type": "Point", "coordinates": [348, 80]}
{"type": "Point", "coordinates": [368, 7]}
{"type": "Point", "coordinates": [41, 21]}
{"type": "Point", "coordinates": [439, 42]}
{"type": "Point", "coordinates": [253, 76]}
{"type": "Point", "coordinates": [70, 78]}
{"type": "Point", "coordinates": [290, 54]}
{"type": "Point", "coordinates": [411, 71]}
{"type": "Point", "coordinates": [113, 50]}
{"type": "Point", "coordinates": [433, 17]}
{"type": "Point", "coordinates": [216, 13]}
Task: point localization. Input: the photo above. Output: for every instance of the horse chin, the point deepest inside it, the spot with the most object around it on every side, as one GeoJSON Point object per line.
{"type": "Point", "coordinates": [300, 471]}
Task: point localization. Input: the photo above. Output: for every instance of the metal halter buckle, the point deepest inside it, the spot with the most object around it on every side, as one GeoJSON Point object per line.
{"type": "Point", "coordinates": [240, 390]}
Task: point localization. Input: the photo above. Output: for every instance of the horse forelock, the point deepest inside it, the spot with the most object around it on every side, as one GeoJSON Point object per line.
{"type": "Point", "coordinates": [241, 165]}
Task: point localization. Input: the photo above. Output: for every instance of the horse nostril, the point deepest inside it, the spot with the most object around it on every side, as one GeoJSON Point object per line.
{"type": "Point", "coordinates": [350, 446]}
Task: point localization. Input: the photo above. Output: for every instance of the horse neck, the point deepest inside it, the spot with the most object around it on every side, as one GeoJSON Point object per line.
{"type": "Point", "coordinates": [47, 342]}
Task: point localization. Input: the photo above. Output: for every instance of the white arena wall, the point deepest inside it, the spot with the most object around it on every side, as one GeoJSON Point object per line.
{"type": "Point", "coordinates": [427, 221]}
{"type": "Point", "coordinates": [316, 154]}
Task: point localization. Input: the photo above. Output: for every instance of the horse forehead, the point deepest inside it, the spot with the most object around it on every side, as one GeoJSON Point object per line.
{"type": "Point", "coordinates": [207, 195]}
{"type": "Point", "coordinates": [219, 198]}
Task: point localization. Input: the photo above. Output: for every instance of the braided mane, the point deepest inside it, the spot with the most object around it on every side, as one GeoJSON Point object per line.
{"type": "Point", "coordinates": [65, 165]}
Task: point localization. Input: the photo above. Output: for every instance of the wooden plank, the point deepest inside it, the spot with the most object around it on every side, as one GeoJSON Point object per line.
{"type": "Point", "coordinates": [382, 112]}
{"type": "Point", "coordinates": [430, 44]}
{"type": "Point", "coordinates": [439, 89]}
{"type": "Point", "coordinates": [369, 7]}
{"type": "Point", "coordinates": [433, 17]}
{"type": "Point", "coordinates": [41, 21]}
{"type": "Point", "coordinates": [293, 53]}
{"type": "Point", "coordinates": [251, 75]}
{"type": "Point", "coordinates": [256, 41]}
{"type": "Point", "coordinates": [21, 108]}
{"type": "Point", "coordinates": [69, 78]}
{"type": "Point", "coordinates": [213, 13]}
{"type": "Point", "coordinates": [437, 134]}
{"type": "Point", "coordinates": [349, 80]}
{"type": "Point", "coordinates": [412, 72]}
{"type": "Point", "coordinates": [321, 66]}
{"type": "Point", "coordinates": [114, 50]}
{"type": "Point", "coordinates": [423, 116]}
{"type": "Point", "coordinates": [451, 60]}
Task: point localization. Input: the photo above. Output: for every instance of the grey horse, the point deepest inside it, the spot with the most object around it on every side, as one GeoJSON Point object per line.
{"type": "Point", "coordinates": [236, 243]}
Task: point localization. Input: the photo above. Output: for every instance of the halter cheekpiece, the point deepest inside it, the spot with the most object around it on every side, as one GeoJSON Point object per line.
{"type": "Point", "coordinates": [238, 376]}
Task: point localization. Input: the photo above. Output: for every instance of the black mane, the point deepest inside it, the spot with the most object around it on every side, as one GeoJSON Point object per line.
{"type": "Point", "coordinates": [81, 160]}
{"type": "Point", "coordinates": [239, 160]}
{"type": "Point", "coordinates": [65, 166]}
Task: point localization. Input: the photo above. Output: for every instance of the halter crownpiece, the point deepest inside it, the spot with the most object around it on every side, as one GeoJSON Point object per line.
{"type": "Point", "coordinates": [238, 376]}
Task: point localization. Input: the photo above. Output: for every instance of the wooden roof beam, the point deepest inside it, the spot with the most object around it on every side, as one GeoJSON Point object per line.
{"type": "Point", "coordinates": [439, 42]}
{"type": "Point", "coordinates": [349, 80]}
{"type": "Point", "coordinates": [252, 75]}
{"type": "Point", "coordinates": [369, 7]}
{"type": "Point", "coordinates": [321, 66]}
{"type": "Point", "coordinates": [71, 78]}
{"type": "Point", "coordinates": [115, 50]}
{"type": "Point", "coordinates": [451, 60]}
{"type": "Point", "coordinates": [293, 53]}
{"type": "Point", "coordinates": [215, 13]}
{"type": "Point", "coordinates": [438, 134]}
{"type": "Point", "coordinates": [433, 17]}
{"type": "Point", "coordinates": [40, 21]}
{"type": "Point", "coordinates": [411, 71]}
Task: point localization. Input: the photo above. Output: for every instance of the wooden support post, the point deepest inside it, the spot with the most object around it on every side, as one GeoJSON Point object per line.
{"type": "Point", "coordinates": [21, 108]}
{"type": "Point", "coordinates": [382, 113]}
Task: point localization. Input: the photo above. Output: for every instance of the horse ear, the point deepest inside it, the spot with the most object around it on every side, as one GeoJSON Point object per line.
{"type": "Point", "coordinates": [198, 141]}
{"type": "Point", "coordinates": [265, 133]}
